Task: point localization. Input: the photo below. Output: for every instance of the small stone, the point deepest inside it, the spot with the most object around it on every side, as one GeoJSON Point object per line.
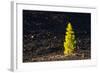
{"type": "Point", "coordinates": [83, 55]}
{"type": "Point", "coordinates": [32, 36]}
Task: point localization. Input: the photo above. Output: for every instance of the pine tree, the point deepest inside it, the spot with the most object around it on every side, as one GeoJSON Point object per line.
{"type": "Point", "coordinates": [70, 42]}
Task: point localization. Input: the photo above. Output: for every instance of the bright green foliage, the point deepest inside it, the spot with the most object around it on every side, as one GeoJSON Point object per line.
{"type": "Point", "coordinates": [70, 42]}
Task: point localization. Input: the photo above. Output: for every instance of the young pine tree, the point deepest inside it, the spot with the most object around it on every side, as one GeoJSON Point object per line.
{"type": "Point", "coordinates": [70, 42]}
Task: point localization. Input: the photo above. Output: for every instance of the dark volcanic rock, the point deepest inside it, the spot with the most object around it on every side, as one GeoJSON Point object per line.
{"type": "Point", "coordinates": [44, 34]}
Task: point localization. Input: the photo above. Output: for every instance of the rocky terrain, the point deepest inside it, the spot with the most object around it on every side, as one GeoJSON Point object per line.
{"type": "Point", "coordinates": [44, 34]}
{"type": "Point", "coordinates": [45, 46]}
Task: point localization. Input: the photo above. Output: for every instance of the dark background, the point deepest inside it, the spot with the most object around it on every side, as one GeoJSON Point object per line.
{"type": "Point", "coordinates": [55, 21]}
{"type": "Point", "coordinates": [44, 32]}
